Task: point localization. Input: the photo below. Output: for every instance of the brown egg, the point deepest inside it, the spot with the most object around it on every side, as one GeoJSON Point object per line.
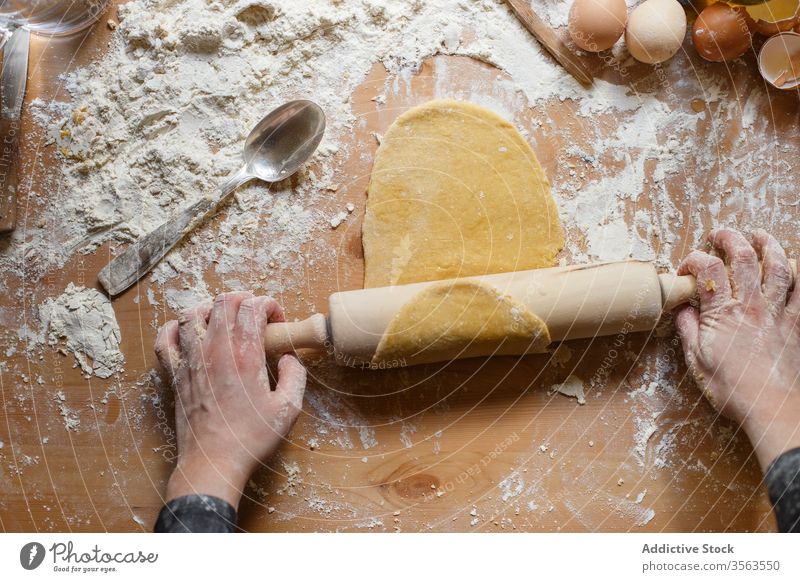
{"type": "Point", "coordinates": [722, 33]}
{"type": "Point", "coordinates": [595, 25]}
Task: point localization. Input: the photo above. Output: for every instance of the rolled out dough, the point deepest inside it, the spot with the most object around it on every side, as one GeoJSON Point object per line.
{"type": "Point", "coordinates": [460, 319]}
{"type": "Point", "coordinates": [457, 192]}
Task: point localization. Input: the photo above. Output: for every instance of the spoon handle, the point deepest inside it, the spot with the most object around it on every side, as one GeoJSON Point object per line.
{"type": "Point", "coordinates": [139, 258]}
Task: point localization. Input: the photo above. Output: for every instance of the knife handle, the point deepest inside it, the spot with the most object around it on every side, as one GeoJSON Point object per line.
{"type": "Point", "coordinates": [13, 79]}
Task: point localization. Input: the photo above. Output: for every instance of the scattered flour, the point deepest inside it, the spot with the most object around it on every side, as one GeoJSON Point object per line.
{"type": "Point", "coordinates": [294, 479]}
{"type": "Point", "coordinates": [83, 322]}
{"type": "Point", "coordinates": [71, 420]}
{"type": "Point", "coordinates": [161, 119]}
{"type": "Point", "coordinates": [634, 512]}
{"type": "Point", "coordinates": [406, 430]}
{"type": "Point", "coordinates": [338, 219]}
{"type": "Point", "coordinates": [512, 486]}
{"type": "Point", "coordinates": [571, 387]}
{"type": "Point", "coordinates": [367, 437]}
{"type": "Point", "coordinates": [475, 520]}
{"type": "Point", "coordinates": [561, 356]}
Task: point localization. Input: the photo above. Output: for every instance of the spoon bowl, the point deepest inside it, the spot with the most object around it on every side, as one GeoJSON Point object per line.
{"type": "Point", "coordinates": [281, 142]}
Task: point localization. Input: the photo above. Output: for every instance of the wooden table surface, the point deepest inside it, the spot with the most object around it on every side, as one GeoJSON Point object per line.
{"type": "Point", "coordinates": [474, 445]}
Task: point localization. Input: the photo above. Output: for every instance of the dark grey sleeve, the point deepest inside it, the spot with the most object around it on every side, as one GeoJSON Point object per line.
{"type": "Point", "coordinates": [783, 484]}
{"type": "Point", "coordinates": [196, 514]}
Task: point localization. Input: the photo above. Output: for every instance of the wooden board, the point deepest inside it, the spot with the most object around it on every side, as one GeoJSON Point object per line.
{"type": "Point", "coordinates": [470, 446]}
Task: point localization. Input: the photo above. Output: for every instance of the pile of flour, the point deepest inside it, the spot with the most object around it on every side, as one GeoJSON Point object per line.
{"type": "Point", "coordinates": [82, 322]}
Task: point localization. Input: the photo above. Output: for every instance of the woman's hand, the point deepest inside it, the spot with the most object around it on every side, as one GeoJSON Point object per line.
{"type": "Point", "coordinates": [743, 343]}
{"type": "Point", "coordinates": [227, 418]}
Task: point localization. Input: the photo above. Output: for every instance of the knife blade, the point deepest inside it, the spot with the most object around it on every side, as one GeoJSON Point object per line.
{"type": "Point", "coordinates": [13, 80]}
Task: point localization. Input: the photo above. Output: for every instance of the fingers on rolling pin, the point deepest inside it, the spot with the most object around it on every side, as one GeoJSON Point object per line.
{"type": "Point", "coordinates": [222, 321]}
{"type": "Point", "coordinates": [192, 327]}
{"type": "Point", "coordinates": [687, 322]}
{"type": "Point", "coordinates": [168, 347]}
{"type": "Point", "coordinates": [291, 380]}
{"type": "Point", "coordinates": [777, 273]}
{"type": "Point", "coordinates": [742, 258]}
{"type": "Point", "coordinates": [251, 322]}
{"type": "Point", "coordinates": [255, 313]}
{"type": "Point", "coordinates": [713, 286]}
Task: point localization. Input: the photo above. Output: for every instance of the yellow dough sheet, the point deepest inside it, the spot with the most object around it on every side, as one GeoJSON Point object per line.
{"type": "Point", "coordinates": [457, 192]}
{"type": "Point", "coordinates": [461, 319]}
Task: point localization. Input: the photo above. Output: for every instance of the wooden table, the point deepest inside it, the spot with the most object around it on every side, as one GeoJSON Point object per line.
{"type": "Point", "coordinates": [474, 445]}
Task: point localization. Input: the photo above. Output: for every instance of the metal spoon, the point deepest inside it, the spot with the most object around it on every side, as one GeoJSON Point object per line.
{"type": "Point", "coordinates": [274, 150]}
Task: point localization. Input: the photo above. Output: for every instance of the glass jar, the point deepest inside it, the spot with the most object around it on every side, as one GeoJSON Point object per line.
{"type": "Point", "coordinates": [51, 17]}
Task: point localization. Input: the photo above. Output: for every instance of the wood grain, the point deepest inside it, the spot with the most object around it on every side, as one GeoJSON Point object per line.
{"type": "Point", "coordinates": [371, 444]}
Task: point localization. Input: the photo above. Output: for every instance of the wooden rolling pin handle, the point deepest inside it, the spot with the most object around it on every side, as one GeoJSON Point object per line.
{"type": "Point", "coordinates": [281, 338]}
{"type": "Point", "coordinates": [677, 290]}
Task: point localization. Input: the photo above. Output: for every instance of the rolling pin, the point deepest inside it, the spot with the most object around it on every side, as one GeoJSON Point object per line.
{"type": "Point", "coordinates": [575, 302]}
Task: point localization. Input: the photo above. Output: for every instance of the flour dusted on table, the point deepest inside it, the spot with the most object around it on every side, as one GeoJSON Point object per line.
{"type": "Point", "coordinates": [572, 387]}
{"type": "Point", "coordinates": [82, 322]}
{"type": "Point", "coordinates": [160, 120]}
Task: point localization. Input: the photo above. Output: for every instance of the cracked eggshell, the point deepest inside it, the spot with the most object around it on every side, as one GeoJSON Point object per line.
{"type": "Point", "coordinates": [775, 16]}
{"type": "Point", "coordinates": [777, 58]}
